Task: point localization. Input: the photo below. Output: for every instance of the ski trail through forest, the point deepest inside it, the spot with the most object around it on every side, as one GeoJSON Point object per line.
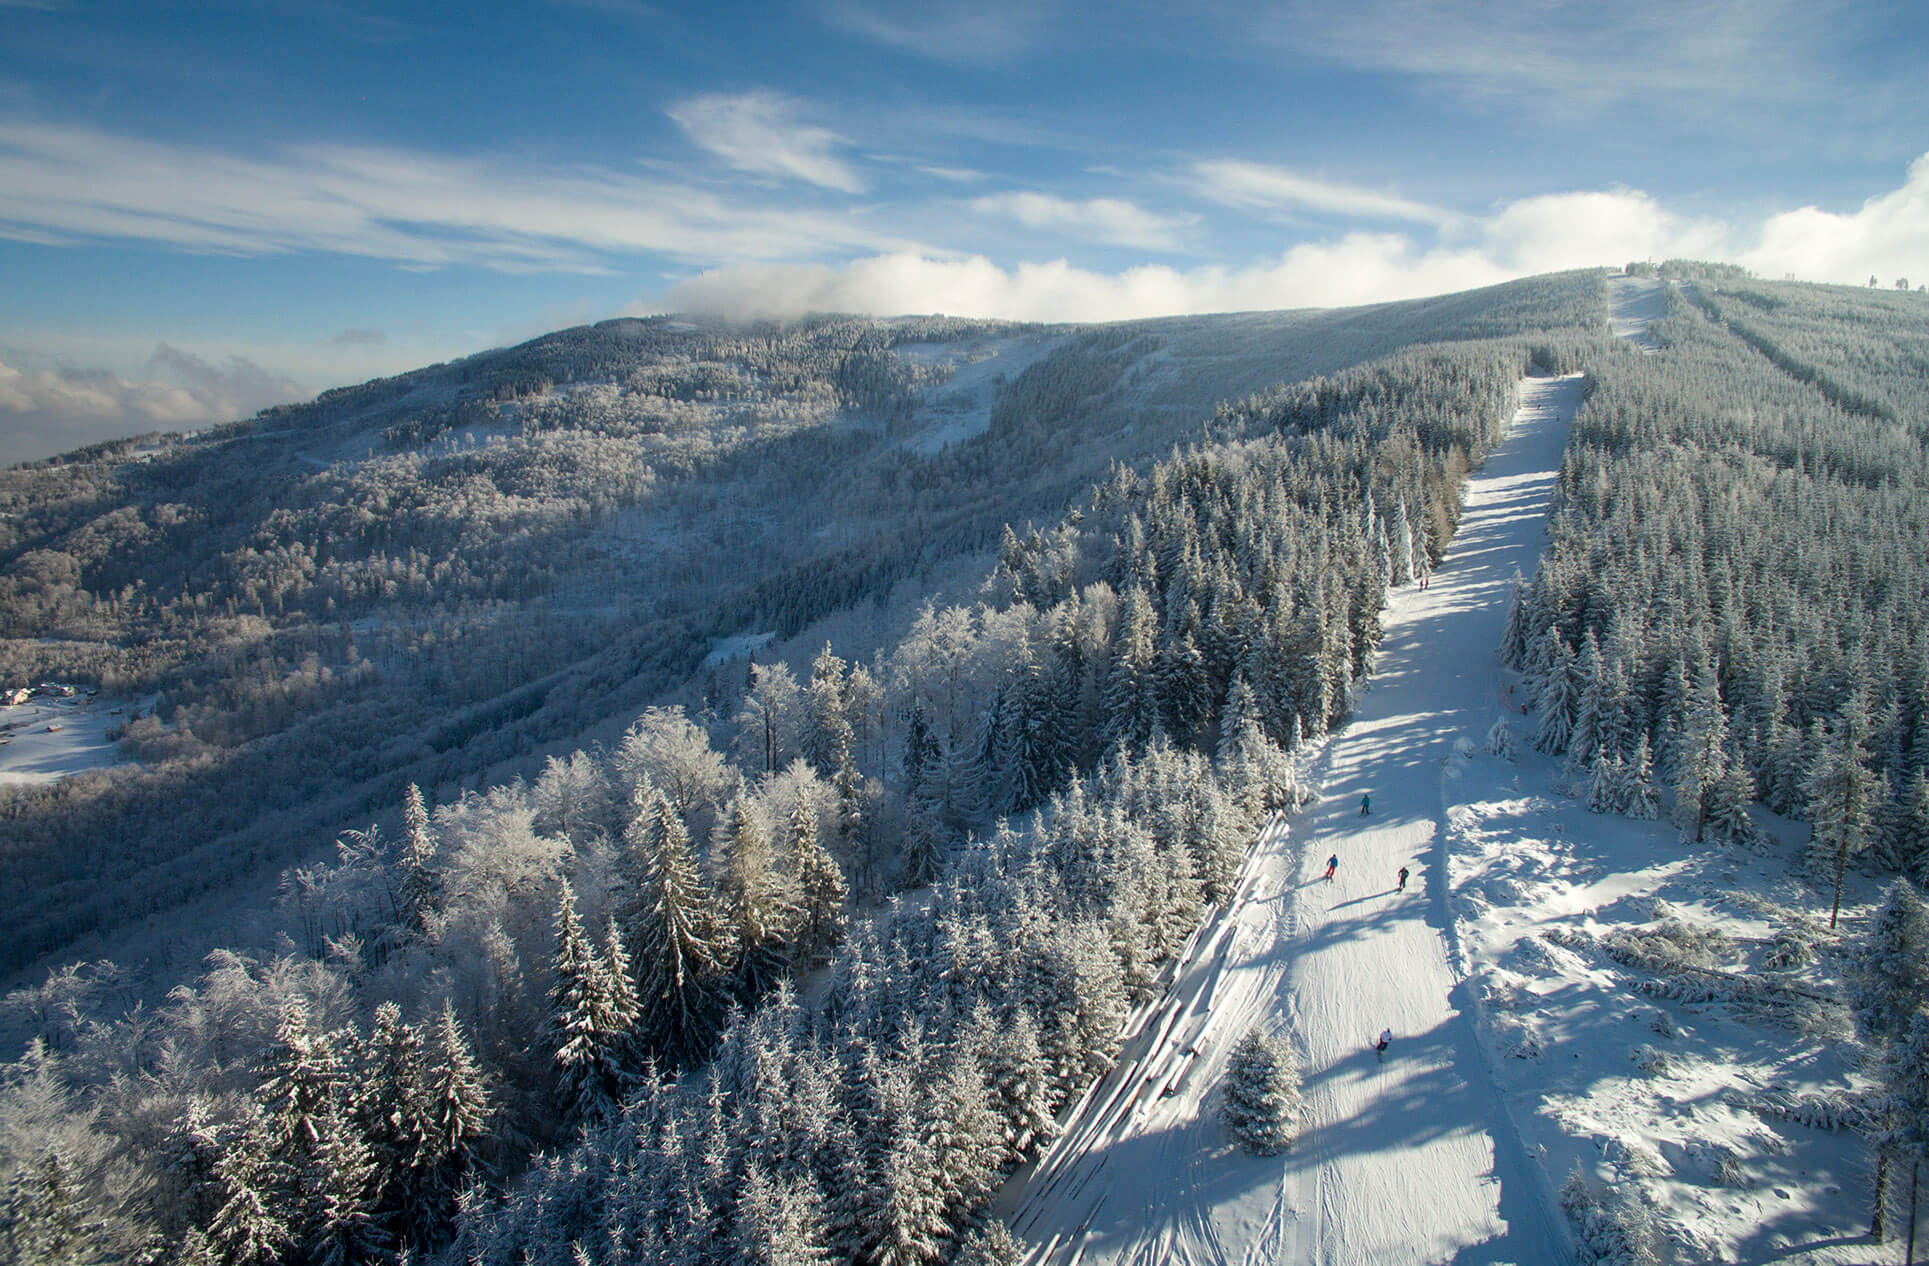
{"type": "Point", "coordinates": [1409, 1158]}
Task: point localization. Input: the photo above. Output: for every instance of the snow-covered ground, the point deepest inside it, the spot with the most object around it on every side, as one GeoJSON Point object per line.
{"type": "Point", "coordinates": [47, 739]}
{"type": "Point", "coordinates": [1635, 303]}
{"type": "Point", "coordinates": [739, 646]}
{"type": "Point", "coordinates": [1528, 1042]}
{"type": "Point", "coordinates": [960, 407]}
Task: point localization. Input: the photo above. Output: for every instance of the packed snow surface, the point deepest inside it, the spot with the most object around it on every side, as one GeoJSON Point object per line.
{"type": "Point", "coordinates": [1634, 304]}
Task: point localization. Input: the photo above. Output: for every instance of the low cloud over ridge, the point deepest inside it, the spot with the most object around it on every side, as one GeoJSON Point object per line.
{"type": "Point", "coordinates": [48, 411]}
{"type": "Point", "coordinates": [1888, 235]}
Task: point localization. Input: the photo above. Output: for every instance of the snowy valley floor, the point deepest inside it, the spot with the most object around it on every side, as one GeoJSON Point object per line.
{"type": "Point", "coordinates": [1525, 1043]}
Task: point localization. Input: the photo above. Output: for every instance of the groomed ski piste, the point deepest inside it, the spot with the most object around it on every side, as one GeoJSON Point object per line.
{"type": "Point", "coordinates": [1514, 1061]}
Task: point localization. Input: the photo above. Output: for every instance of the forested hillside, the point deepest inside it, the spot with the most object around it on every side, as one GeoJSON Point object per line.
{"type": "Point", "coordinates": [1735, 606]}
{"type": "Point", "coordinates": [597, 963]}
{"type": "Point", "coordinates": [458, 570]}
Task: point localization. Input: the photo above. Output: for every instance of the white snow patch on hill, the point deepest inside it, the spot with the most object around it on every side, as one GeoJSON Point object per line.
{"type": "Point", "coordinates": [960, 407]}
{"type": "Point", "coordinates": [737, 647]}
{"type": "Point", "coordinates": [1634, 304]}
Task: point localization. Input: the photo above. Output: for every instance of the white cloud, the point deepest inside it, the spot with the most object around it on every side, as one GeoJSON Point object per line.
{"type": "Point", "coordinates": [759, 133]}
{"type": "Point", "coordinates": [1574, 230]}
{"type": "Point", "coordinates": [1888, 236]}
{"type": "Point", "coordinates": [1109, 220]}
{"type": "Point", "coordinates": [48, 411]}
{"type": "Point", "coordinates": [1533, 235]}
{"type": "Point", "coordinates": [1356, 269]}
{"type": "Point", "coordinates": [1259, 186]}
{"type": "Point", "coordinates": [963, 32]}
{"type": "Point", "coordinates": [956, 175]}
{"type": "Point", "coordinates": [1573, 56]}
{"type": "Point", "coordinates": [70, 184]}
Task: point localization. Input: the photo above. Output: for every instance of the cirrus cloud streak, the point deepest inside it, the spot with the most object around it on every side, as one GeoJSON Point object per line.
{"type": "Point", "coordinates": [64, 184]}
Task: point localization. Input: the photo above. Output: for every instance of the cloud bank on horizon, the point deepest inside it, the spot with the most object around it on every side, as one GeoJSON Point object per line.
{"type": "Point", "coordinates": [1543, 233]}
{"type": "Point", "coordinates": [356, 192]}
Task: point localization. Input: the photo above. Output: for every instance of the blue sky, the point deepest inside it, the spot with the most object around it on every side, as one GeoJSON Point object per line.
{"type": "Point", "coordinates": [208, 208]}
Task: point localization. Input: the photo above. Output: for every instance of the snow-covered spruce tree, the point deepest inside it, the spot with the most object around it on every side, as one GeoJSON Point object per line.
{"type": "Point", "coordinates": [1259, 1100]}
{"type": "Point", "coordinates": [1238, 719]}
{"type": "Point", "coordinates": [1902, 1108]}
{"type": "Point", "coordinates": [254, 1211]}
{"type": "Point", "coordinates": [921, 851]}
{"type": "Point", "coordinates": [324, 1176]}
{"type": "Point", "coordinates": [677, 940]}
{"type": "Point", "coordinates": [1583, 739]}
{"type": "Point", "coordinates": [457, 1109]}
{"type": "Point", "coordinates": [1131, 699]}
{"type": "Point", "coordinates": [1183, 687]}
{"type": "Point", "coordinates": [760, 898]}
{"type": "Point", "coordinates": [1037, 748]}
{"type": "Point", "coordinates": [389, 1107]}
{"type": "Point", "coordinates": [988, 1245]}
{"type": "Point", "coordinates": [1399, 536]}
{"type": "Point", "coordinates": [779, 1221]}
{"type": "Point", "coordinates": [1500, 739]}
{"type": "Point", "coordinates": [827, 735]}
{"type": "Point", "coordinates": [592, 1025]}
{"type": "Point", "coordinates": [1545, 651]}
{"type": "Point", "coordinates": [1606, 783]}
{"type": "Point", "coordinates": [1556, 700]}
{"type": "Point", "coordinates": [1913, 824]}
{"type": "Point", "coordinates": [1513, 640]}
{"type": "Point", "coordinates": [821, 918]}
{"type": "Point", "coordinates": [1641, 801]}
{"type": "Point", "coordinates": [1888, 990]}
{"type": "Point", "coordinates": [890, 1208]}
{"type": "Point", "coordinates": [923, 756]}
{"type": "Point", "coordinates": [1728, 802]}
{"type": "Point", "coordinates": [965, 1132]}
{"type": "Point", "coordinates": [339, 1186]}
{"type": "Point", "coordinates": [304, 1077]}
{"type": "Point", "coordinates": [68, 1194]}
{"type": "Point", "coordinates": [1700, 759]}
{"type": "Point", "coordinates": [1841, 791]}
{"type": "Point", "coordinates": [416, 886]}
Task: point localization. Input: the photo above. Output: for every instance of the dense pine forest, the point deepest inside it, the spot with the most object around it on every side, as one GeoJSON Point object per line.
{"type": "Point", "coordinates": [1734, 603]}
{"type": "Point", "coordinates": [814, 948]}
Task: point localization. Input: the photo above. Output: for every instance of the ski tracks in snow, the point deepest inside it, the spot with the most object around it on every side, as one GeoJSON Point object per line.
{"type": "Point", "coordinates": [1408, 1159]}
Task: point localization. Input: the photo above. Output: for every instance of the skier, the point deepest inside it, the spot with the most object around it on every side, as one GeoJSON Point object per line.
{"type": "Point", "coordinates": [1332, 864]}
{"type": "Point", "coordinates": [1366, 805]}
{"type": "Point", "coordinates": [1386, 1040]}
{"type": "Point", "coordinates": [1403, 880]}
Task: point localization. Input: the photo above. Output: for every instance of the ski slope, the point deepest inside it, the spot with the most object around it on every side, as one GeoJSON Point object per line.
{"type": "Point", "coordinates": [1408, 1159]}
{"type": "Point", "coordinates": [1634, 304]}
